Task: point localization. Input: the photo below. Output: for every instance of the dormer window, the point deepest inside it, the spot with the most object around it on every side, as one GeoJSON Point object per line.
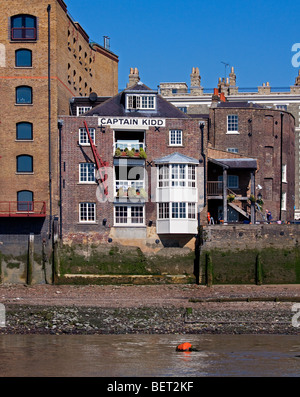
{"type": "Point", "coordinates": [140, 101]}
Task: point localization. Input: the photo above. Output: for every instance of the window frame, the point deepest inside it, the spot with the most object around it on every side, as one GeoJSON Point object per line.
{"type": "Point", "coordinates": [177, 175]}
{"type": "Point", "coordinates": [140, 102]}
{"type": "Point", "coordinates": [17, 132]}
{"type": "Point", "coordinates": [84, 211]}
{"type": "Point", "coordinates": [83, 133]}
{"type": "Point", "coordinates": [25, 205]}
{"type": "Point", "coordinates": [16, 58]}
{"type": "Point", "coordinates": [24, 29]}
{"type": "Point", "coordinates": [126, 215]}
{"type": "Point", "coordinates": [231, 123]}
{"type": "Point", "coordinates": [80, 110]}
{"type": "Point", "coordinates": [176, 135]}
{"type": "Point", "coordinates": [85, 173]}
{"type": "Point", "coordinates": [31, 95]}
{"type": "Point", "coordinates": [24, 171]}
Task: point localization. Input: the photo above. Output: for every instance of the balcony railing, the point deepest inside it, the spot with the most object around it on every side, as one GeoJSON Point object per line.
{"type": "Point", "coordinates": [23, 34]}
{"type": "Point", "coordinates": [22, 209]}
{"type": "Point", "coordinates": [215, 188]}
{"type": "Point", "coordinates": [129, 145]}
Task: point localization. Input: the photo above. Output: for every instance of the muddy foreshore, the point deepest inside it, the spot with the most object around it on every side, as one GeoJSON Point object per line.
{"type": "Point", "coordinates": [167, 309]}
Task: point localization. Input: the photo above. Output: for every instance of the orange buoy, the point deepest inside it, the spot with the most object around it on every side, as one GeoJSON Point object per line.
{"type": "Point", "coordinates": [184, 347]}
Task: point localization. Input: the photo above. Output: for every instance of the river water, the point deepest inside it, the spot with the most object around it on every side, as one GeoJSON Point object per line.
{"type": "Point", "coordinates": [149, 356]}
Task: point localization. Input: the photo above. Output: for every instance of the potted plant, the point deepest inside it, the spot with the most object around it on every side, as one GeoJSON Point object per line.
{"type": "Point", "coordinates": [230, 197]}
{"type": "Point", "coordinates": [252, 198]}
{"type": "Point", "coordinates": [142, 153]}
{"type": "Point", "coordinates": [118, 152]}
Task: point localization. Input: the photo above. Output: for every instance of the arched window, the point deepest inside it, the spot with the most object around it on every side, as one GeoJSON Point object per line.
{"type": "Point", "coordinates": [23, 27]}
{"type": "Point", "coordinates": [23, 58]}
{"type": "Point", "coordinates": [25, 200]}
{"type": "Point", "coordinates": [24, 95]}
{"type": "Point", "coordinates": [24, 131]}
{"type": "Point", "coordinates": [24, 163]}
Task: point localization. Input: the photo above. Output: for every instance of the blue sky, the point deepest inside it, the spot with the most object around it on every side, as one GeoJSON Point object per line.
{"type": "Point", "coordinates": [165, 39]}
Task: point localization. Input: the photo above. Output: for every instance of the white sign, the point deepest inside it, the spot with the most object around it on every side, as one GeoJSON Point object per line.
{"type": "Point", "coordinates": [131, 122]}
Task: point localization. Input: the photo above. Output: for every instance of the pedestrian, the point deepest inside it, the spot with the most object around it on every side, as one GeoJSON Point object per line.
{"type": "Point", "coordinates": [269, 216]}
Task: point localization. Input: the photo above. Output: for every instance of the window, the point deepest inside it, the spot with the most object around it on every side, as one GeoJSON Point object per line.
{"type": "Point", "coordinates": [232, 149]}
{"type": "Point", "coordinates": [178, 210]}
{"type": "Point", "coordinates": [24, 131]}
{"type": "Point", "coordinates": [87, 212]}
{"type": "Point", "coordinates": [163, 210]}
{"type": "Point", "coordinates": [24, 163]}
{"type": "Point", "coordinates": [191, 210]}
{"type": "Point", "coordinates": [83, 136]}
{"type": "Point", "coordinates": [191, 176]}
{"type": "Point", "coordinates": [232, 123]}
{"type": "Point", "coordinates": [284, 174]}
{"type": "Point", "coordinates": [23, 27]}
{"type": "Point", "coordinates": [175, 138]}
{"type": "Point", "coordinates": [129, 215]}
{"type": "Point", "coordinates": [23, 58]}
{"type": "Point", "coordinates": [183, 109]}
{"type": "Point", "coordinates": [82, 109]}
{"type": "Point", "coordinates": [25, 200]}
{"type": "Point", "coordinates": [232, 181]}
{"type": "Point", "coordinates": [87, 172]}
{"type": "Point", "coordinates": [283, 201]}
{"type": "Point", "coordinates": [24, 95]}
{"type": "Point", "coordinates": [140, 101]}
{"type": "Point", "coordinates": [163, 176]}
{"type": "Point", "coordinates": [281, 107]}
{"type": "Point", "coordinates": [177, 175]}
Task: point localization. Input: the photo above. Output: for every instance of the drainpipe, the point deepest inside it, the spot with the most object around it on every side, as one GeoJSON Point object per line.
{"type": "Point", "coordinates": [281, 149]}
{"type": "Point", "coordinates": [49, 122]}
{"type": "Point", "coordinates": [60, 125]}
{"type": "Point", "coordinates": [202, 124]}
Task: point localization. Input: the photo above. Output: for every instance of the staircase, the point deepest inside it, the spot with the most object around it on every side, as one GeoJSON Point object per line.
{"type": "Point", "coordinates": [238, 209]}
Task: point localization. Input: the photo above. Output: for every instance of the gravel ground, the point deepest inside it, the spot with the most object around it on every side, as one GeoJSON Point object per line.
{"type": "Point", "coordinates": [149, 309]}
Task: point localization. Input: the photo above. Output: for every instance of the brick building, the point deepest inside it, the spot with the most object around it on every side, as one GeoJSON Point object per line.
{"type": "Point", "coordinates": [261, 145]}
{"type": "Point", "coordinates": [46, 58]}
{"type": "Point", "coordinates": [154, 167]}
{"type": "Point", "coordinates": [197, 99]}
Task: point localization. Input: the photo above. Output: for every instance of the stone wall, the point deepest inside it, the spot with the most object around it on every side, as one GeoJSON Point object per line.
{"type": "Point", "coordinates": [247, 254]}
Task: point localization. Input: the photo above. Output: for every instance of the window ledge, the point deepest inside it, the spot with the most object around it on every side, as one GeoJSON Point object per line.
{"type": "Point", "coordinates": [24, 173]}
{"type": "Point", "coordinates": [23, 104]}
{"type": "Point", "coordinates": [24, 140]}
{"type": "Point", "coordinates": [23, 67]}
{"type": "Point", "coordinates": [88, 223]}
{"type": "Point", "coordinates": [183, 146]}
{"type": "Point", "coordinates": [87, 183]}
{"type": "Point", "coordinates": [232, 132]}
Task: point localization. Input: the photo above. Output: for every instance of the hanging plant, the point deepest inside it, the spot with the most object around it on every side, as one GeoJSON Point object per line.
{"type": "Point", "coordinates": [230, 198]}
{"type": "Point", "coordinates": [252, 198]}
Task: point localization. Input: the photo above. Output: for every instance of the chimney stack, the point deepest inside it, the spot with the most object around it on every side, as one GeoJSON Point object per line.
{"type": "Point", "coordinates": [134, 77]}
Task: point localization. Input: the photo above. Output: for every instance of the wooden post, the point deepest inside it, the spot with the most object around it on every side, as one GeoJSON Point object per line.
{"type": "Point", "coordinates": [253, 218]}
{"type": "Point", "coordinates": [225, 196]}
{"type": "Point", "coordinates": [30, 259]}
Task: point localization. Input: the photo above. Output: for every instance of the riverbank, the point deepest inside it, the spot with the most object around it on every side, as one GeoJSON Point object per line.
{"type": "Point", "coordinates": [149, 309]}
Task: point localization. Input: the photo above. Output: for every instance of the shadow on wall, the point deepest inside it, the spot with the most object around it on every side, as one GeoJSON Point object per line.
{"type": "Point", "coordinates": [23, 226]}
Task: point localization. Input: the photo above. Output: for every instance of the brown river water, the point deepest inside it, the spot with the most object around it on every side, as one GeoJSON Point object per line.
{"type": "Point", "coordinates": [149, 356]}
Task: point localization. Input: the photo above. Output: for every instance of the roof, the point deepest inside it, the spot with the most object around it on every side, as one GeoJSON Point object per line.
{"type": "Point", "coordinates": [176, 158]}
{"type": "Point", "coordinates": [241, 104]}
{"type": "Point", "coordinates": [236, 163]}
{"type": "Point", "coordinates": [115, 106]}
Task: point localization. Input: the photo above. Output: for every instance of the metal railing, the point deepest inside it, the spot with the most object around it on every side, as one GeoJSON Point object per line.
{"type": "Point", "coordinates": [129, 145]}
{"type": "Point", "coordinates": [22, 209]}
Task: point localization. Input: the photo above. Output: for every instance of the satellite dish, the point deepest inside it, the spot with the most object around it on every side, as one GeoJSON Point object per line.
{"type": "Point", "coordinates": [93, 97]}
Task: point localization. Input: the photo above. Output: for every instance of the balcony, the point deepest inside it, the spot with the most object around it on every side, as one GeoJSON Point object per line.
{"type": "Point", "coordinates": [130, 190]}
{"type": "Point", "coordinates": [22, 209]}
{"type": "Point", "coordinates": [129, 149]}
